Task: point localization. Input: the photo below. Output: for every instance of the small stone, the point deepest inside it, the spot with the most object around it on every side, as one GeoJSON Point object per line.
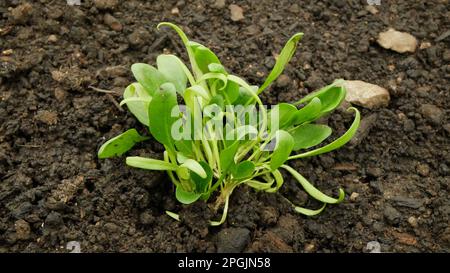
{"type": "Point", "coordinates": [52, 38]}
{"type": "Point", "coordinates": [366, 94]}
{"type": "Point", "coordinates": [7, 52]}
{"type": "Point", "coordinates": [106, 4]}
{"type": "Point", "coordinates": [373, 247]}
{"type": "Point", "coordinates": [392, 215]}
{"type": "Point", "coordinates": [47, 117]}
{"type": "Point", "coordinates": [354, 196]}
{"type": "Point", "coordinates": [21, 14]}
{"type": "Point", "coordinates": [219, 4]}
{"type": "Point", "coordinates": [23, 229]}
{"type": "Point", "coordinates": [237, 13]}
{"type": "Point", "coordinates": [413, 221]}
{"type": "Point", "coordinates": [309, 248]}
{"type": "Point", "coordinates": [232, 240]}
{"type": "Point", "coordinates": [175, 11]}
{"type": "Point", "coordinates": [423, 169]}
{"type": "Point", "coordinates": [372, 9]}
{"type": "Point", "coordinates": [400, 42]}
{"type": "Point", "coordinates": [60, 94]}
{"type": "Point", "coordinates": [425, 45]}
{"type": "Point", "coordinates": [139, 37]}
{"type": "Point", "coordinates": [112, 22]}
{"type": "Point", "coordinates": [283, 81]}
{"type": "Point", "coordinates": [408, 202]}
{"type": "Point", "coordinates": [432, 113]}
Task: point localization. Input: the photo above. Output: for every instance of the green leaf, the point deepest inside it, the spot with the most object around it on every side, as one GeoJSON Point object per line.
{"type": "Point", "coordinates": [284, 113]}
{"type": "Point", "coordinates": [309, 135]}
{"type": "Point", "coordinates": [230, 92]}
{"type": "Point", "coordinates": [120, 144]}
{"type": "Point", "coordinates": [309, 112]}
{"type": "Point", "coordinates": [150, 164]}
{"type": "Point", "coordinates": [169, 66]}
{"type": "Point", "coordinates": [309, 212]}
{"type": "Point", "coordinates": [227, 156]}
{"type": "Point", "coordinates": [243, 169]}
{"type": "Point", "coordinates": [217, 100]}
{"type": "Point", "coordinates": [160, 109]}
{"type": "Point", "coordinates": [186, 197]}
{"type": "Point", "coordinates": [283, 148]}
{"type": "Point", "coordinates": [245, 97]}
{"type": "Point", "coordinates": [201, 184]}
{"type": "Point", "coordinates": [203, 56]}
{"type": "Point", "coordinates": [148, 76]}
{"type": "Point", "coordinates": [311, 190]}
{"type": "Point", "coordinates": [330, 96]}
{"type": "Point", "coordinates": [338, 142]}
{"type": "Point", "coordinates": [138, 108]}
{"type": "Point", "coordinates": [195, 167]}
{"type": "Point", "coordinates": [216, 67]}
{"type": "Point", "coordinates": [285, 56]}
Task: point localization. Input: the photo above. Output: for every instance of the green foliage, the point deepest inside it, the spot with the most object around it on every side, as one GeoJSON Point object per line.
{"type": "Point", "coordinates": [214, 158]}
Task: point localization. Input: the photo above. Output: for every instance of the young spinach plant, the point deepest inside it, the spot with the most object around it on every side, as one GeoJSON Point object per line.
{"type": "Point", "coordinates": [203, 156]}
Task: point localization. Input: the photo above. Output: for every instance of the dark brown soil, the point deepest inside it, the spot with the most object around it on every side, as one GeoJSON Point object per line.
{"type": "Point", "coordinates": [54, 190]}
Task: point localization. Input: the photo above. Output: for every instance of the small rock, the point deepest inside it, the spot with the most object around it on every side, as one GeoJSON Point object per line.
{"type": "Point", "coordinates": [52, 38]}
{"type": "Point", "coordinates": [74, 247]}
{"type": "Point", "coordinates": [60, 94]}
{"type": "Point", "coordinates": [54, 220]}
{"type": "Point", "coordinates": [392, 215]}
{"type": "Point", "coordinates": [23, 229]}
{"type": "Point", "coordinates": [175, 11]}
{"type": "Point", "coordinates": [423, 169]}
{"type": "Point", "coordinates": [106, 4]}
{"type": "Point", "coordinates": [219, 4]}
{"type": "Point", "coordinates": [432, 113]}
{"type": "Point", "coordinates": [372, 9]}
{"type": "Point", "coordinates": [425, 45]}
{"type": "Point", "coordinates": [373, 247]}
{"type": "Point", "coordinates": [7, 52]}
{"type": "Point", "coordinates": [232, 240]}
{"type": "Point", "coordinates": [354, 196]}
{"type": "Point", "coordinates": [366, 94]}
{"type": "Point", "coordinates": [237, 13]}
{"type": "Point", "coordinates": [400, 42]}
{"type": "Point", "coordinates": [309, 248]}
{"type": "Point", "coordinates": [283, 81]}
{"type": "Point", "coordinates": [112, 22]}
{"type": "Point", "coordinates": [21, 14]}
{"type": "Point", "coordinates": [413, 221]}
{"type": "Point", "coordinates": [47, 117]}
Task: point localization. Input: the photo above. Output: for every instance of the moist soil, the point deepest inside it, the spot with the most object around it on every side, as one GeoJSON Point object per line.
{"type": "Point", "coordinates": [54, 190]}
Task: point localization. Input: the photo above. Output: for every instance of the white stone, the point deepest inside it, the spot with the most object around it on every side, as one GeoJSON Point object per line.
{"type": "Point", "coordinates": [366, 94]}
{"type": "Point", "coordinates": [398, 41]}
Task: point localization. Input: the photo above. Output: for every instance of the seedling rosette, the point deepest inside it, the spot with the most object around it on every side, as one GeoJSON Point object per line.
{"type": "Point", "coordinates": [207, 158]}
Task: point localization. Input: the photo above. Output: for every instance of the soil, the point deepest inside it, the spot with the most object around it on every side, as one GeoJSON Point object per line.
{"type": "Point", "coordinates": [54, 190]}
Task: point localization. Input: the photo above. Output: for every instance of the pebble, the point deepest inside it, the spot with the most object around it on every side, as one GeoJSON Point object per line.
{"type": "Point", "coordinates": [354, 196]}
{"type": "Point", "coordinates": [139, 37]}
{"type": "Point", "coordinates": [237, 13]}
{"type": "Point", "coordinates": [408, 202]}
{"type": "Point", "coordinates": [21, 14]}
{"type": "Point", "coordinates": [106, 4]}
{"type": "Point", "coordinates": [400, 42]}
{"type": "Point", "coordinates": [391, 215]}
{"type": "Point", "coordinates": [112, 22]}
{"type": "Point", "coordinates": [283, 81]}
{"type": "Point", "coordinates": [232, 240]}
{"type": "Point", "coordinates": [366, 94]}
{"type": "Point", "coordinates": [423, 169]}
{"type": "Point", "coordinates": [23, 229]}
{"type": "Point", "coordinates": [373, 247]}
{"type": "Point", "coordinates": [52, 38]}
{"type": "Point", "coordinates": [432, 113]}
{"type": "Point", "coordinates": [372, 9]}
{"type": "Point", "coordinates": [413, 221]}
{"type": "Point", "coordinates": [175, 11]}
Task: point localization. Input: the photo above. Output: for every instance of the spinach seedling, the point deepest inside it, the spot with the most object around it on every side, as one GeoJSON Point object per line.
{"type": "Point", "coordinates": [223, 136]}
